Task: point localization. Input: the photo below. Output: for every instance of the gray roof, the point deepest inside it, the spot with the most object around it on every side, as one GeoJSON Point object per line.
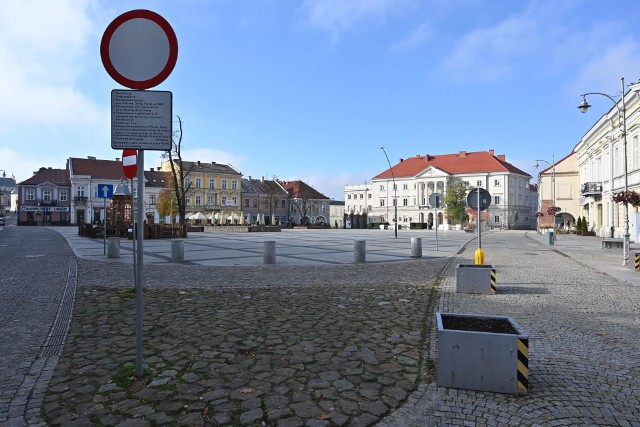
{"type": "Point", "coordinates": [213, 167]}
{"type": "Point", "coordinates": [259, 186]}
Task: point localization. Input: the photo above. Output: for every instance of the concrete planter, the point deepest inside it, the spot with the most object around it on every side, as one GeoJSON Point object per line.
{"type": "Point", "coordinates": [475, 279]}
{"type": "Point", "coordinates": [485, 353]}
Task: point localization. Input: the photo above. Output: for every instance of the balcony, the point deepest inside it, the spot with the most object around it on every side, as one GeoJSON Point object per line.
{"type": "Point", "coordinates": [80, 199]}
{"type": "Point", "coordinates": [591, 189]}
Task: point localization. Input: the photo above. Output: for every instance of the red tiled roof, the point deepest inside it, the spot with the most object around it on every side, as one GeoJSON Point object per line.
{"type": "Point", "coordinates": [453, 164]}
{"type": "Point", "coordinates": [54, 176]}
{"type": "Point", "coordinates": [95, 168]}
{"type": "Point", "coordinates": [302, 190]}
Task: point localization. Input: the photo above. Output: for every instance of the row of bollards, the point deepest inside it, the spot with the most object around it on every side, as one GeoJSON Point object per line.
{"type": "Point", "coordinates": [268, 250]}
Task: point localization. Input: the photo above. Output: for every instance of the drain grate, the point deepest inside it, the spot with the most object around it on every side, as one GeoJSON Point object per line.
{"type": "Point", "coordinates": [58, 333]}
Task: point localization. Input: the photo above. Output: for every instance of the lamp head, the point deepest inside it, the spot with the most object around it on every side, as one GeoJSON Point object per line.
{"type": "Point", "coordinates": [584, 105]}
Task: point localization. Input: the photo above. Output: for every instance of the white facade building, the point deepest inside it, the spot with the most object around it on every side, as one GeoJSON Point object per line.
{"type": "Point", "coordinates": [419, 177]}
{"type": "Point", "coordinates": [601, 169]}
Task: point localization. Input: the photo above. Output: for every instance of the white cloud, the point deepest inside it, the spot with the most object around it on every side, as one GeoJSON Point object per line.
{"type": "Point", "coordinates": [414, 38]}
{"type": "Point", "coordinates": [42, 49]}
{"type": "Point", "coordinates": [338, 16]}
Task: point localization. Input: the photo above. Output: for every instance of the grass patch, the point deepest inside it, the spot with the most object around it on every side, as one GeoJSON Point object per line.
{"type": "Point", "coordinates": [124, 375]}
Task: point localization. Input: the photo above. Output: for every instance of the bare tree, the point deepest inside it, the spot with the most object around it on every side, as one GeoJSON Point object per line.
{"type": "Point", "coordinates": [178, 173]}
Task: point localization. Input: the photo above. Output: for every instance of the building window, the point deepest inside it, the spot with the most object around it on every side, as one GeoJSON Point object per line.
{"type": "Point", "coordinates": [255, 203]}
{"type": "Point", "coordinates": [80, 192]}
{"type": "Point", "coordinates": [152, 199]}
{"type": "Point", "coordinates": [405, 202]}
{"type": "Point", "coordinates": [234, 184]}
{"type": "Point", "coordinates": [212, 183]}
{"type": "Point", "coordinates": [198, 182]}
{"type": "Point", "coordinates": [246, 203]}
{"type": "Point", "coordinates": [224, 200]}
{"type": "Point", "coordinates": [381, 187]}
{"type": "Point", "coordinates": [198, 199]}
{"type": "Point", "coordinates": [31, 194]}
{"type": "Point", "coordinates": [283, 203]}
{"type": "Point", "coordinates": [235, 201]}
{"type": "Point", "coordinates": [395, 186]}
{"type": "Point", "coordinates": [361, 196]}
{"type": "Point", "coordinates": [187, 182]}
{"type": "Point", "coordinates": [496, 200]}
{"type": "Point", "coordinates": [634, 153]}
{"type": "Point", "coordinates": [395, 202]}
{"type": "Point", "coordinates": [405, 186]}
{"type": "Point", "coordinates": [348, 196]}
{"type": "Point", "coordinates": [381, 202]}
{"type": "Point", "coordinates": [188, 200]}
{"type": "Point", "coordinates": [496, 219]}
{"type": "Point", "coordinates": [46, 195]}
{"type": "Point", "coordinates": [369, 195]}
{"type": "Point", "coordinates": [224, 184]}
{"type": "Point", "coordinates": [496, 182]}
{"type": "Point", "coordinates": [478, 183]}
{"type": "Point", "coordinates": [63, 196]}
{"type": "Point", "coordinates": [465, 183]}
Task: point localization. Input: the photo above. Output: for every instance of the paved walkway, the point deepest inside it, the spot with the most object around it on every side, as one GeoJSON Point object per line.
{"type": "Point", "coordinates": [318, 340]}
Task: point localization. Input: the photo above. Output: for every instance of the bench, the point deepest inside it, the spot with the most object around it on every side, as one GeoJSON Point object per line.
{"type": "Point", "coordinates": [608, 243]}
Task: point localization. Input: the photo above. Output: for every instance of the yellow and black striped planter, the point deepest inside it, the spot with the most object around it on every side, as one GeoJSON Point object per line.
{"type": "Point", "coordinates": [485, 353]}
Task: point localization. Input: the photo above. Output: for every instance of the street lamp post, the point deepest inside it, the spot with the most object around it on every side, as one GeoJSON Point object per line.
{"type": "Point", "coordinates": [395, 197]}
{"type": "Point", "coordinates": [584, 106]}
{"type": "Point", "coordinates": [553, 186]}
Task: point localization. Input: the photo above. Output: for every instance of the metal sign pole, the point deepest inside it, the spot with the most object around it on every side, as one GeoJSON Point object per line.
{"type": "Point", "coordinates": [104, 230]}
{"type": "Point", "coordinates": [436, 221]}
{"type": "Point", "coordinates": [478, 210]}
{"type": "Point", "coordinates": [139, 263]}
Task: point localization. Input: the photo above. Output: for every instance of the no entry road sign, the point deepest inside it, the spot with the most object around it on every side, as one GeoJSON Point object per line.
{"type": "Point", "coordinates": [130, 163]}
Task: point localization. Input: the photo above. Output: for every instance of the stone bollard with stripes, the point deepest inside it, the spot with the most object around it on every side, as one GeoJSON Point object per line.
{"type": "Point", "coordinates": [416, 247]}
{"type": "Point", "coordinates": [359, 251]}
{"type": "Point", "coordinates": [269, 252]}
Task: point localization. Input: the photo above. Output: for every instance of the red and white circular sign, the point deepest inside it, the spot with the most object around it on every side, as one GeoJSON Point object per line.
{"type": "Point", "coordinates": [130, 163]}
{"type": "Point", "coordinates": [139, 49]}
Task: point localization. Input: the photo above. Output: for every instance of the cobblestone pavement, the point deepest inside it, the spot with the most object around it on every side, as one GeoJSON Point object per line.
{"type": "Point", "coordinates": [583, 328]}
{"type": "Point", "coordinates": [323, 345]}
{"type": "Point", "coordinates": [287, 346]}
{"type": "Point", "coordinates": [35, 274]}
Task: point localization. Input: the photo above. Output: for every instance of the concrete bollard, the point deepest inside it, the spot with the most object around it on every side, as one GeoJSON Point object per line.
{"type": "Point", "coordinates": [177, 250]}
{"type": "Point", "coordinates": [359, 251]}
{"type": "Point", "coordinates": [113, 247]}
{"type": "Point", "coordinates": [269, 252]}
{"type": "Point", "coordinates": [416, 247]}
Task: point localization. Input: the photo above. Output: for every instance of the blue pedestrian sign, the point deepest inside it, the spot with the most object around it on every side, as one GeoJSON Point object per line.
{"type": "Point", "coordinates": [105, 191]}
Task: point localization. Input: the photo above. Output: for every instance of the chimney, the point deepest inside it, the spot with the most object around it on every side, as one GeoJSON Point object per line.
{"type": "Point", "coordinates": [151, 169]}
{"type": "Point", "coordinates": [198, 163]}
{"type": "Point", "coordinates": [249, 177]}
{"type": "Point", "coordinates": [502, 157]}
{"type": "Point", "coordinates": [262, 179]}
{"type": "Point", "coordinates": [462, 154]}
{"type": "Point", "coordinates": [401, 160]}
{"type": "Point", "coordinates": [491, 152]}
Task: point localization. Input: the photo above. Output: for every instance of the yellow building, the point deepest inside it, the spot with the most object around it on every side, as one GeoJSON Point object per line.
{"type": "Point", "coordinates": [213, 190]}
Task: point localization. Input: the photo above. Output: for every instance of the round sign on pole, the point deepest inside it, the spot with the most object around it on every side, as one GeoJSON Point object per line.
{"type": "Point", "coordinates": [139, 49]}
{"type": "Point", "coordinates": [435, 200]}
{"type": "Point", "coordinates": [485, 199]}
{"type": "Point", "coordinates": [130, 163]}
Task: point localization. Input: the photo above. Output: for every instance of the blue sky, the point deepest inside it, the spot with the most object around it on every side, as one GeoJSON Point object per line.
{"type": "Point", "coordinates": [312, 89]}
